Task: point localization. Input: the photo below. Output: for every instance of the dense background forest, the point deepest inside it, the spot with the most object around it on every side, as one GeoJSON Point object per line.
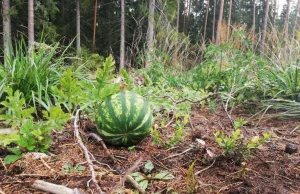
{"type": "Point", "coordinates": [196, 22]}
{"type": "Point", "coordinates": [190, 96]}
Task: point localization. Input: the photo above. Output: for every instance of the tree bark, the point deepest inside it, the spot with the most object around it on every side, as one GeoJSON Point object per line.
{"type": "Point", "coordinates": [214, 22]}
{"type": "Point", "coordinates": [229, 19]}
{"type": "Point", "coordinates": [150, 34]}
{"type": "Point", "coordinates": [296, 19]}
{"type": "Point", "coordinates": [253, 25]}
{"type": "Point", "coordinates": [30, 24]}
{"type": "Point", "coordinates": [184, 16]}
{"type": "Point", "coordinates": [78, 27]}
{"type": "Point", "coordinates": [205, 21]}
{"type": "Point", "coordinates": [95, 25]}
{"type": "Point", "coordinates": [264, 30]}
{"type": "Point", "coordinates": [219, 22]}
{"type": "Point", "coordinates": [286, 20]}
{"type": "Point", "coordinates": [122, 45]}
{"type": "Point", "coordinates": [178, 15]}
{"type": "Point", "coordinates": [6, 29]}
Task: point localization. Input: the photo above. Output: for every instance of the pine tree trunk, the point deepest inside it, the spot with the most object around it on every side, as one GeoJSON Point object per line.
{"type": "Point", "coordinates": [286, 20]}
{"type": "Point", "coordinates": [205, 21]}
{"type": "Point", "coordinates": [253, 25]}
{"type": "Point", "coordinates": [184, 16]}
{"type": "Point", "coordinates": [30, 24]}
{"type": "Point", "coordinates": [229, 19]}
{"type": "Point", "coordinates": [188, 15]}
{"type": "Point", "coordinates": [264, 30]}
{"type": "Point", "coordinates": [150, 34]}
{"type": "Point", "coordinates": [95, 24]}
{"type": "Point", "coordinates": [296, 19]}
{"type": "Point", "coordinates": [178, 15]}
{"type": "Point", "coordinates": [214, 22]}
{"type": "Point", "coordinates": [122, 45]}
{"type": "Point", "coordinates": [219, 22]}
{"type": "Point", "coordinates": [6, 29]}
{"type": "Point", "coordinates": [78, 27]}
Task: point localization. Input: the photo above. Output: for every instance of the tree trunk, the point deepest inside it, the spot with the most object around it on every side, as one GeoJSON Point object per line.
{"type": "Point", "coordinates": [188, 15]}
{"type": "Point", "coordinates": [30, 24]}
{"type": "Point", "coordinates": [286, 20]}
{"type": "Point", "coordinates": [122, 45]}
{"type": "Point", "coordinates": [205, 21]}
{"type": "Point", "coordinates": [184, 16]}
{"type": "Point", "coordinates": [229, 19]}
{"type": "Point", "coordinates": [296, 19]}
{"type": "Point", "coordinates": [264, 30]}
{"type": "Point", "coordinates": [78, 27]}
{"type": "Point", "coordinates": [253, 25]}
{"type": "Point", "coordinates": [178, 15]}
{"type": "Point", "coordinates": [95, 25]}
{"type": "Point", "coordinates": [219, 22]}
{"type": "Point", "coordinates": [150, 34]}
{"type": "Point", "coordinates": [6, 30]}
{"type": "Point", "coordinates": [214, 22]}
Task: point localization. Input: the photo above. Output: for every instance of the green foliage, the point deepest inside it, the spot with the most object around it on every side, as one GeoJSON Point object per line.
{"type": "Point", "coordinates": [68, 92]}
{"type": "Point", "coordinates": [235, 147]}
{"type": "Point", "coordinates": [103, 86]}
{"type": "Point", "coordinates": [70, 168]}
{"type": "Point", "coordinates": [239, 123]}
{"type": "Point", "coordinates": [16, 112]}
{"type": "Point", "coordinates": [32, 74]}
{"type": "Point", "coordinates": [191, 182]}
{"type": "Point", "coordinates": [231, 143]}
{"type": "Point", "coordinates": [31, 136]}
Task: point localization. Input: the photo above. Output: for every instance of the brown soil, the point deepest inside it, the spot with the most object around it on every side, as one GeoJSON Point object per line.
{"type": "Point", "coordinates": [269, 169]}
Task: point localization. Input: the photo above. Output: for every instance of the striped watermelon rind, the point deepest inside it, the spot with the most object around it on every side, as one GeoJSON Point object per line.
{"type": "Point", "coordinates": [124, 119]}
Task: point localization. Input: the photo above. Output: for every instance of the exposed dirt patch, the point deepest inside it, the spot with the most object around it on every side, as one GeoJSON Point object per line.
{"type": "Point", "coordinates": [269, 170]}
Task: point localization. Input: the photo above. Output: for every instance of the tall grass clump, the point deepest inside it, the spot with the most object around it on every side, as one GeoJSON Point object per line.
{"type": "Point", "coordinates": [32, 73]}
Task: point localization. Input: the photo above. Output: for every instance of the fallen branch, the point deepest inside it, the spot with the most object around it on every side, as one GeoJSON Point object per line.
{"type": "Point", "coordinates": [7, 131]}
{"type": "Point", "coordinates": [128, 178]}
{"type": "Point", "coordinates": [86, 152]}
{"type": "Point", "coordinates": [178, 154]}
{"type": "Point", "coordinates": [54, 188]}
{"type": "Point", "coordinates": [100, 140]}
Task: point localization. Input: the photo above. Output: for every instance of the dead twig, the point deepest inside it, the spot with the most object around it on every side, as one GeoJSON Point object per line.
{"type": "Point", "coordinates": [86, 152]}
{"type": "Point", "coordinates": [100, 140]}
{"type": "Point", "coordinates": [54, 188]}
{"type": "Point", "coordinates": [3, 164]}
{"type": "Point", "coordinates": [128, 178]}
{"type": "Point", "coordinates": [174, 155]}
{"type": "Point", "coordinates": [200, 171]}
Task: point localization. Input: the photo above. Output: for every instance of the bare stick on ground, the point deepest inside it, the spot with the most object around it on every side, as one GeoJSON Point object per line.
{"type": "Point", "coordinates": [99, 139]}
{"type": "Point", "coordinates": [129, 179]}
{"type": "Point", "coordinates": [53, 188]}
{"type": "Point", "coordinates": [86, 152]}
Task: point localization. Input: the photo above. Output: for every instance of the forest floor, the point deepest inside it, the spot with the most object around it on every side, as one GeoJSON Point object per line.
{"type": "Point", "coordinates": [268, 170]}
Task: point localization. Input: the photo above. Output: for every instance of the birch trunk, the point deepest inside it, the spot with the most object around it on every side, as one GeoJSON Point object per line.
{"type": "Point", "coordinates": [122, 45]}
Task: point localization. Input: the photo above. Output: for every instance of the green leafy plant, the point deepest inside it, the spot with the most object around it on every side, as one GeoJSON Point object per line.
{"type": "Point", "coordinates": [68, 92]}
{"type": "Point", "coordinates": [230, 144]}
{"type": "Point", "coordinates": [239, 123]}
{"type": "Point", "coordinates": [70, 168]}
{"type": "Point", "coordinates": [191, 182]}
{"type": "Point", "coordinates": [16, 112]}
{"type": "Point", "coordinates": [237, 146]}
{"type": "Point", "coordinates": [35, 136]}
{"type": "Point", "coordinates": [102, 87]}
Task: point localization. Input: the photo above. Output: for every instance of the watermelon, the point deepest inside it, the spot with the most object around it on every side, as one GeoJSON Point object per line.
{"type": "Point", "coordinates": [124, 119]}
